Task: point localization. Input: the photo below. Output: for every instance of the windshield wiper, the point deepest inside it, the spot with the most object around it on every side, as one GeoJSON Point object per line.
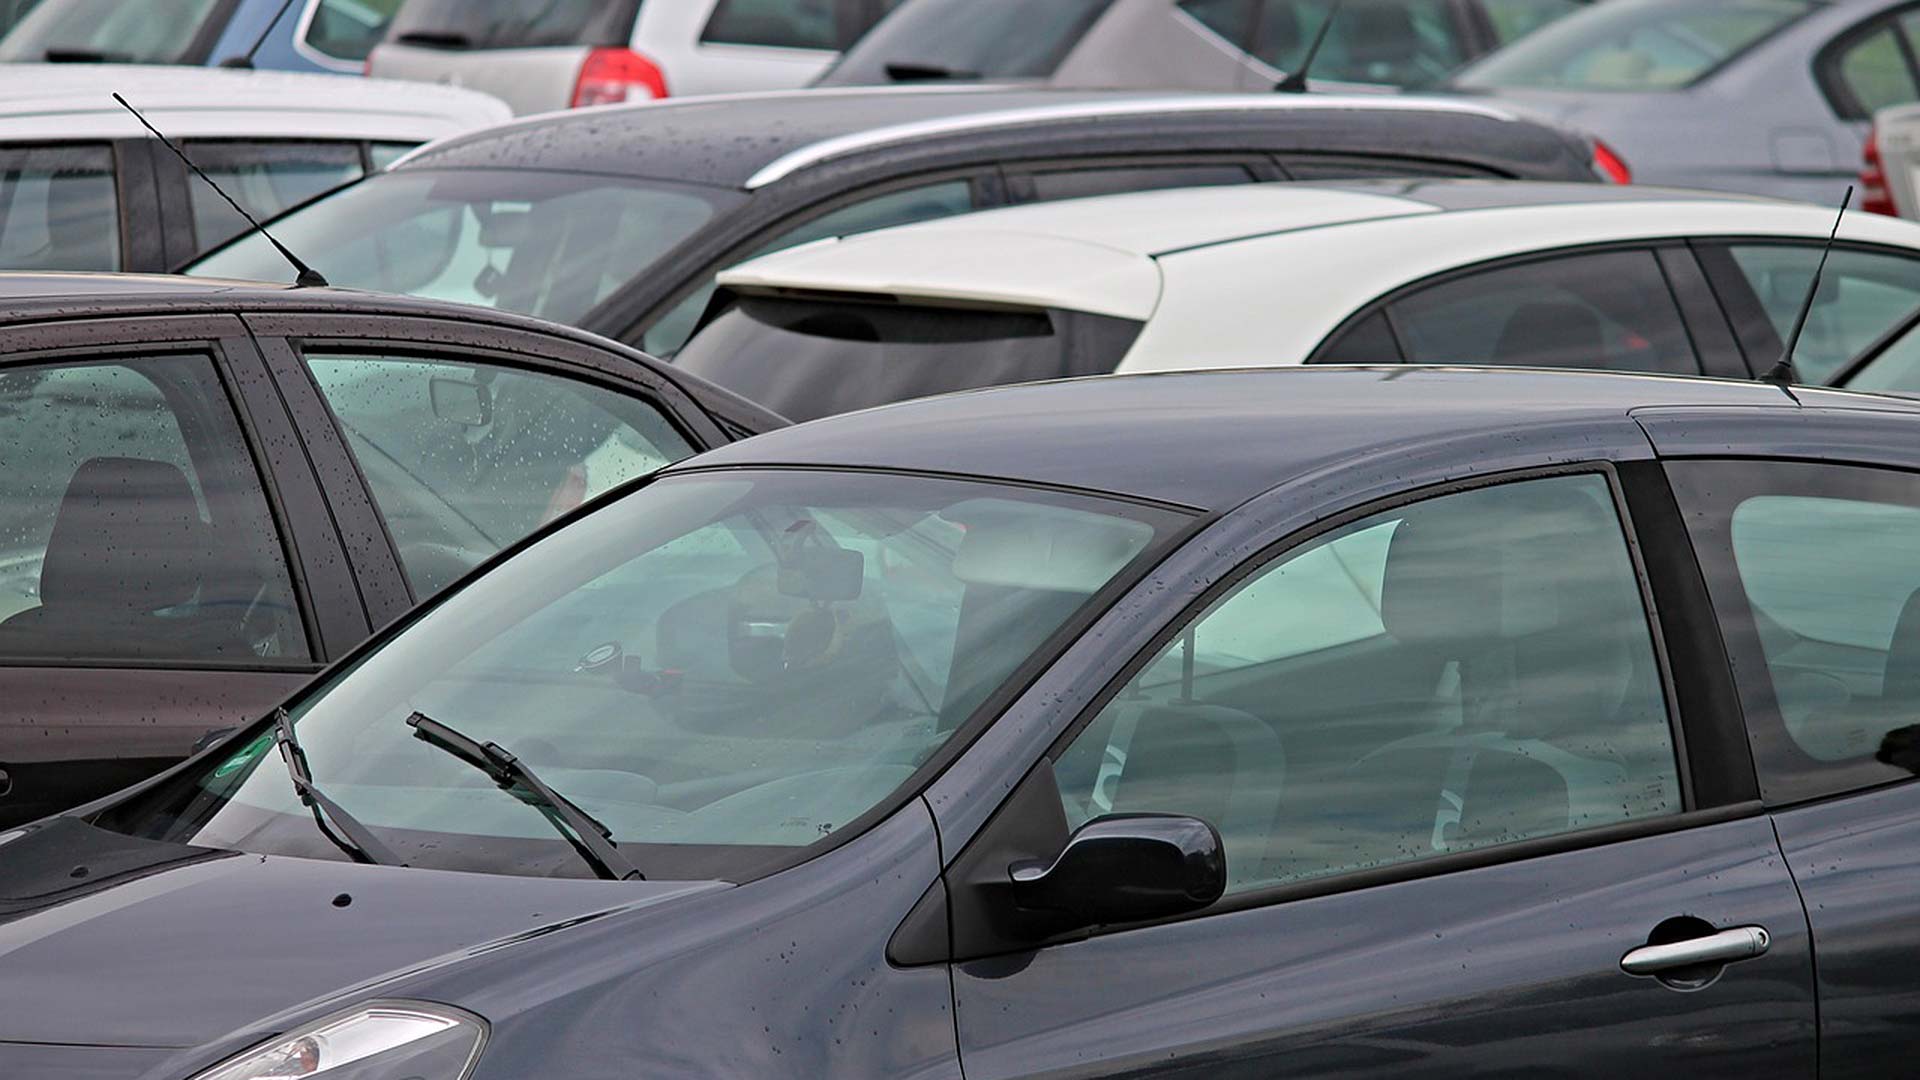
{"type": "Point", "coordinates": [359, 844]}
{"type": "Point", "coordinates": [75, 54]}
{"type": "Point", "coordinates": [922, 71]}
{"type": "Point", "coordinates": [591, 839]}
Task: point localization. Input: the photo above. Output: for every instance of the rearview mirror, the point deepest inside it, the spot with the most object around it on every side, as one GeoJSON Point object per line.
{"type": "Point", "coordinates": [1127, 868]}
{"type": "Point", "coordinates": [458, 401]}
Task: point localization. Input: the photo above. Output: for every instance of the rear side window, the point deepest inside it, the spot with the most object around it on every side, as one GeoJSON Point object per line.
{"type": "Point", "coordinates": [1872, 68]}
{"type": "Point", "coordinates": [1862, 295]}
{"type": "Point", "coordinates": [1611, 310]}
{"type": "Point", "coordinates": [1401, 42]}
{"type": "Point", "coordinates": [968, 39]}
{"type": "Point", "coordinates": [788, 24]}
{"type": "Point", "coordinates": [266, 178]}
{"type": "Point", "coordinates": [514, 24]}
{"type": "Point", "coordinates": [1637, 45]}
{"type": "Point", "coordinates": [59, 209]}
{"type": "Point", "coordinates": [348, 29]}
{"type": "Point", "coordinates": [115, 31]}
{"type": "Point", "coordinates": [1085, 182]}
{"type": "Point", "coordinates": [1513, 19]}
{"type": "Point", "coordinates": [808, 359]}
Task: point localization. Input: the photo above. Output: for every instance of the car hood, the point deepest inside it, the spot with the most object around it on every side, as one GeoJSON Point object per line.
{"type": "Point", "coordinates": [111, 941]}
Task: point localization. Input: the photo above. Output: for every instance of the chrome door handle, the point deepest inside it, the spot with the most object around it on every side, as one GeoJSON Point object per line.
{"type": "Point", "coordinates": [1725, 947]}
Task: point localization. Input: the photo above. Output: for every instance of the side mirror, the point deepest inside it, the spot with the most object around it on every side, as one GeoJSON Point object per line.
{"type": "Point", "coordinates": [1127, 868]}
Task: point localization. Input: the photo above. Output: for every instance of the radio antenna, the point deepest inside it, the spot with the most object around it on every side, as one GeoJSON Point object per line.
{"type": "Point", "coordinates": [1781, 373]}
{"type": "Point", "coordinates": [305, 277]}
{"type": "Point", "coordinates": [1296, 80]}
{"type": "Point", "coordinates": [245, 59]}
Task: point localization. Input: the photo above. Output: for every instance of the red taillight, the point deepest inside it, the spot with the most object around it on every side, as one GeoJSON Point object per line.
{"type": "Point", "coordinates": [611, 76]}
{"type": "Point", "coordinates": [1609, 164]}
{"type": "Point", "coordinates": [367, 68]}
{"type": "Point", "coordinates": [1874, 196]}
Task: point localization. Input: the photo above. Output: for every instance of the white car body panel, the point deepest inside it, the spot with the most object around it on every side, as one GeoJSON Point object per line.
{"type": "Point", "coordinates": [1896, 132]}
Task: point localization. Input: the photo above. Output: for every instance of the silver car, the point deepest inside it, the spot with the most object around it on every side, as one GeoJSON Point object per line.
{"type": "Point", "coordinates": [1770, 97]}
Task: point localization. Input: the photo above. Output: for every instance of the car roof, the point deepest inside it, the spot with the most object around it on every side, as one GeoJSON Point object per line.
{"type": "Point", "coordinates": [1097, 255]}
{"type": "Point", "coordinates": [754, 140]}
{"type": "Point", "coordinates": [1210, 440]}
{"type": "Point", "coordinates": [69, 101]}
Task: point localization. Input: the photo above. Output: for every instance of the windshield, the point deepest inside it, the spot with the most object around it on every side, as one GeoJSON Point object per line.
{"type": "Point", "coordinates": [1635, 45]}
{"type": "Point", "coordinates": [721, 668]}
{"type": "Point", "coordinates": [507, 24]}
{"type": "Point", "coordinates": [148, 32]}
{"type": "Point", "coordinates": [539, 243]}
{"type": "Point", "coordinates": [967, 39]}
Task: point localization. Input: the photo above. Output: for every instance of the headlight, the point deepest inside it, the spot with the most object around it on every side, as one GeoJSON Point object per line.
{"type": "Point", "coordinates": [373, 1042]}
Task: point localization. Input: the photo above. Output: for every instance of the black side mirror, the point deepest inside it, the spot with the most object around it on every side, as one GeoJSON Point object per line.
{"type": "Point", "coordinates": [1127, 868]}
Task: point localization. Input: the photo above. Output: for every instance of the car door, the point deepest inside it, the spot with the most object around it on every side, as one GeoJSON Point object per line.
{"type": "Point", "coordinates": [155, 582]}
{"type": "Point", "coordinates": [444, 445]}
{"type": "Point", "coordinates": [1811, 567]}
{"type": "Point", "coordinates": [1446, 748]}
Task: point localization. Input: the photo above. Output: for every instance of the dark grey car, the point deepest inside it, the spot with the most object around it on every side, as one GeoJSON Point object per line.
{"type": "Point", "coordinates": [1329, 722]}
{"type": "Point", "coordinates": [617, 220]}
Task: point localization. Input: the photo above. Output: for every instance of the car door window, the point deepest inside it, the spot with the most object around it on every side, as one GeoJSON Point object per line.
{"type": "Point", "coordinates": [133, 525]}
{"type": "Point", "coordinates": [903, 206]}
{"type": "Point", "coordinates": [1609, 309]}
{"type": "Point", "coordinates": [1512, 19]}
{"type": "Point", "coordinates": [1085, 182]}
{"type": "Point", "coordinates": [348, 29]}
{"type": "Point", "coordinates": [266, 178]}
{"type": "Point", "coordinates": [1400, 42]}
{"type": "Point", "coordinates": [829, 25]}
{"type": "Point", "coordinates": [1470, 670]}
{"type": "Point", "coordinates": [465, 458]}
{"type": "Point", "coordinates": [1862, 295]}
{"type": "Point", "coordinates": [1812, 568]}
{"type": "Point", "coordinates": [1872, 71]}
{"type": "Point", "coordinates": [59, 209]}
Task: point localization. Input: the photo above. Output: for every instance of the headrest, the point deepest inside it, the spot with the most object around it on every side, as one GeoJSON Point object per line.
{"type": "Point", "coordinates": [128, 536]}
{"type": "Point", "coordinates": [1025, 546]}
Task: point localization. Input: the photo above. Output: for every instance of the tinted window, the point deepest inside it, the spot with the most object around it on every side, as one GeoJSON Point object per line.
{"type": "Point", "coordinates": [1812, 568]}
{"type": "Point", "coordinates": [721, 669]}
{"type": "Point", "coordinates": [1862, 295]}
{"type": "Point", "coordinates": [1369, 341]}
{"type": "Point", "coordinates": [1517, 18]}
{"type": "Point", "coordinates": [968, 39]}
{"type": "Point", "coordinates": [1873, 72]}
{"type": "Point", "coordinates": [788, 24]}
{"type": "Point", "coordinates": [132, 523]}
{"type": "Point", "coordinates": [807, 359]}
{"type": "Point", "coordinates": [512, 24]}
{"type": "Point", "coordinates": [59, 209]}
{"type": "Point", "coordinates": [1081, 183]}
{"type": "Point", "coordinates": [1468, 671]}
{"type": "Point", "coordinates": [1605, 310]}
{"type": "Point", "coordinates": [1637, 44]}
{"type": "Point", "coordinates": [1402, 42]}
{"type": "Point", "coordinates": [266, 178]}
{"type": "Point", "coordinates": [12, 11]}
{"type": "Point", "coordinates": [349, 29]}
{"type": "Point", "coordinates": [1309, 166]}
{"type": "Point", "coordinates": [1895, 369]}
{"type": "Point", "coordinates": [465, 459]}
{"type": "Point", "coordinates": [944, 199]}
{"type": "Point", "coordinates": [148, 32]}
{"type": "Point", "coordinates": [549, 244]}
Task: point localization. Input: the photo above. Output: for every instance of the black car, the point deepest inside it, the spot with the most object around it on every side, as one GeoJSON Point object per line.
{"type": "Point", "coordinates": [208, 491]}
{"type": "Point", "coordinates": [617, 220]}
{"type": "Point", "coordinates": [1327, 722]}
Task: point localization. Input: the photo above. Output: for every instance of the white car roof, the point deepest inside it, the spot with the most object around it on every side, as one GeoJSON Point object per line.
{"type": "Point", "coordinates": [1260, 274]}
{"type": "Point", "coordinates": [74, 101]}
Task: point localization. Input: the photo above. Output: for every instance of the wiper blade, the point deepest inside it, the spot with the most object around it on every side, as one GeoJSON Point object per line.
{"type": "Point", "coordinates": [591, 839]}
{"type": "Point", "coordinates": [73, 54]}
{"type": "Point", "coordinates": [359, 844]}
{"type": "Point", "coordinates": [915, 71]}
{"type": "Point", "coordinates": [436, 39]}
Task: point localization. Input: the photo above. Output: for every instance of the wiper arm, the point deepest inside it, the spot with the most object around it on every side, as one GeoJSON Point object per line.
{"type": "Point", "coordinates": [591, 839]}
{"type": "Point", "coordinates": [919, 71]}
{"type": "Point", "coordinates": [359, 844]}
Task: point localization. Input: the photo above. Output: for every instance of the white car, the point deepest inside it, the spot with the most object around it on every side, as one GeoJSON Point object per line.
{"type": "Point", "coordinates": [540, 57]}
{"type": "Point", "coordinates": [1401, 271]}
{"type": "Point", "coordinates": [84, 187]}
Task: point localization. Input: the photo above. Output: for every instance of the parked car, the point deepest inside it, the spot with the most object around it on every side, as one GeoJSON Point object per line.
{"type": "Point", "coordinates": [1184, 44]}
{"type": "Point", "coordinates": [211, 490]}
{"type": "Point", "coordinates": [1377, 272]}
{"type": "Point", "coordinates": [1361, 717]}
{"type": "Point", "coordinates": [306, 35]}
{"type": "Point", "coordinates": [617, 221]}
{"type": "Point", "coordinates": [1771, 97]}
{"type": "Point", "coordinates": [540, 57]}
{"type": "Point", "coordinates": [83, 186]}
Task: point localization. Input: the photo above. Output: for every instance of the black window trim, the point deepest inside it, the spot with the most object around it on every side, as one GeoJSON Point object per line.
{"type": "Point", "coordinates": [1019, 172]}
{"type": "Point", "coordinates": [1826, 63]}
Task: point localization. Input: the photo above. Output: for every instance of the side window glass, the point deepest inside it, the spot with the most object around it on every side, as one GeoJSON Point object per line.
{"type": "Point", "coordinates": [266, 178]}
{"type": "Point", "coordinates": [348, 29]}
{"type": "Point", "coordinates": [1396, 42]}
{"type": "Point", "coordinates": [1813, 569]}
{"type": "Point", "coordinates": [1862, 294]}
{"type": "Point", "coordinates": [465, 459]}
{"type": "Point", "coordinates": [382, 154]}
{"type": "Point", "coordinates": [1369, 341]}
{"type": "Point", "coordinates": [1471, 670]}
{"type": "Point", "coordinates": [1610, 310]}
{"type": "Point", "coordinates": [785, 24]}
{"type": "Point", "coordinates": [133, 525]}
{"type": "Point", "coordinates": [944, 199]}
{"type": "Point", "coordinates": [1309, 166]}
{"type": "Point", "coordinates": [59, 209]}
{"type": "Point", "coordinates": [1231, 19]}
{"type": "Point", "coordinates": [1514, 19]}
{"type": "Point", "coordinates": [1874, 71]}
{"type": "Point", "coordinates": [1082, 183]}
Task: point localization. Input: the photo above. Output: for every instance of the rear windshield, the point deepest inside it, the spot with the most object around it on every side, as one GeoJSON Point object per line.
{"type": "Point", "coordinates": [515, 24]}
{"type": "Point", "coordinates": [1636, 45]}
{"type": "Point", "coordinates": [115, 31]}
{"type": "Point", "coordinates": [967, 39]}
{"type": "Point", "coordinates": [805, 359]}
{"type": "Point", "coordinates": [541, 243]}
